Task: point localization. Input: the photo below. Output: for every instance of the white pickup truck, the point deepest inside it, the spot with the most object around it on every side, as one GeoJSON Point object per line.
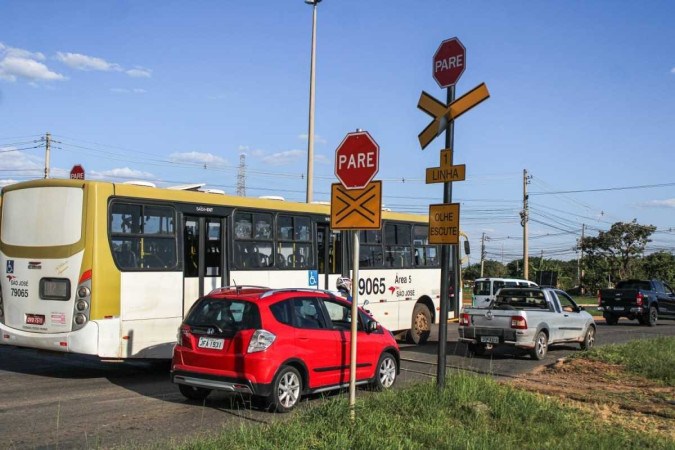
{"type": "Point", "coordinates": [528, 318]}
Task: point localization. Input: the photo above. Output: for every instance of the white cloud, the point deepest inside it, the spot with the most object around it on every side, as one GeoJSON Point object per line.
{"type": "Point", "coordinates": [26, 166]}
{"type": "Point", "coordinates": [20, 53]}
{"type": "Point", "coordinates": [317, 139]}
{"type": "Point", "coordinates": [128, 91]}
{"type": "Point", "coordinates": [139, 72]}
{"type": "Point", "coordinates": [323, 159]}
{"type": "Point", "coordinates": [79, 61]}
{"type": "Point", "coordinates": [197, 157]}
{"type": "Point", "coordinates": [121, 172]}
{"type": "Point", "coordinates": [283, 158]}
{"type": "Point", "coordinates": [17, 63]}
{"type": "Point", "coordinates": [672, 70]}
{"type": "Point", "coordinates": [667, 203]}
{"type": "Point", "coordinates": [7, 182]}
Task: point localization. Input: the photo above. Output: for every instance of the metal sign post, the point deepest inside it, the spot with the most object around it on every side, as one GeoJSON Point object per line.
{"type": "Point", "coordinates": [356, 205]}
{"type": "Point", "coordinates": [355, 322]}
{"type": "Point", "coordinates": [448, 280]}
{"type": "Point", "coordinates": [449, 63]}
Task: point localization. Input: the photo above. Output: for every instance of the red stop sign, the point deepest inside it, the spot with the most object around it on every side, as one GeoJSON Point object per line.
{"type": "Point", "coordinates": [77, 172]}
{"type": "Point", "coordinates": [357, 160]}
{"type": "Point", "coordinates": [449, 62]}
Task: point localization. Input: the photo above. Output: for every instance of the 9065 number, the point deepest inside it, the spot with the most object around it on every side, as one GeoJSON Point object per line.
{"type": "Point", "coordinates": [372, 286]}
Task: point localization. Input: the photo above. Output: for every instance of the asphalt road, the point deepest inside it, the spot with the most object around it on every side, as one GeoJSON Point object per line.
{"type": "Point", "coordinates": [54, 401]}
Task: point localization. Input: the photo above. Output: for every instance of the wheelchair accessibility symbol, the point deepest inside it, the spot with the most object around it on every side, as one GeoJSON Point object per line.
{"type": "Point", "coordinates": [313, 278]}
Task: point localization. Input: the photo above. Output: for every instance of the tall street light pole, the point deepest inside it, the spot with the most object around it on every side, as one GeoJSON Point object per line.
{"type": "Point", "coordinates": [310, 134]}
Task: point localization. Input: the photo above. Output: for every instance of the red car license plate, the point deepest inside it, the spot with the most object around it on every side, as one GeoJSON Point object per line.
{"type": "Point", "coordinates": [35, 319]}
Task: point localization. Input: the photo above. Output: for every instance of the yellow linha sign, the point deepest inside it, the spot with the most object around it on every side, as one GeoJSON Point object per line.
{"type": "Point", "coordinates": [444, 223]}
{"type": "Point", "coordinates": [446, 172]}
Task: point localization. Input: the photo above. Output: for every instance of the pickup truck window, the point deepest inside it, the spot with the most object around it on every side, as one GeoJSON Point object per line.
{"type": "Point", "coordinates": [520, 299]}
{"type": "Point", "coordinates": [634, 284]}
{"type": "Point", "coordinates": [566, 303]}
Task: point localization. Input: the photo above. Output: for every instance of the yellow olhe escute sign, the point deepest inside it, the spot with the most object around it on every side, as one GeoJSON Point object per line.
{"type": "Point", "coordinates": [444, 223]}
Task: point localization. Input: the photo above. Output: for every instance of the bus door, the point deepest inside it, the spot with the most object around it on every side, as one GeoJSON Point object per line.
{"type": "Point", "coordinates": [329, 256]}
{"type": "Point", "coordinates": [204, 261]}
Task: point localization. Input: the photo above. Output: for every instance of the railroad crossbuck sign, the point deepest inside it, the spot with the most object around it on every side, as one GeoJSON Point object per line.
{"type": "Point", "coordinates": [356, 209]}
{"type": "Point", "coordinates": [444, 223]}
{"type": "Point", "coordinates": [447, 172]}
{"type": "Point", "coordinates": [443, 113]}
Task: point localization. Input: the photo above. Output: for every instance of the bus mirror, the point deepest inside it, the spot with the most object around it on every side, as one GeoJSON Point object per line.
{"type": "Point", "coordinates": [467, 247]}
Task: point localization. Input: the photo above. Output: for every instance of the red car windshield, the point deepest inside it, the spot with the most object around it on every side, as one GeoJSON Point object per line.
{"type": "Point", "coordinates": [225, 315]}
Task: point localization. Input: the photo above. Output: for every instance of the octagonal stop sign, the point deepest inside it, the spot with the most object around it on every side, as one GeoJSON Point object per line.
{"type": "Point", "coordinates": [77, 172]}
{"type": "Point", "coordinates": [449, 62]}
{"type": "Point", "coordinates": [357, 160]}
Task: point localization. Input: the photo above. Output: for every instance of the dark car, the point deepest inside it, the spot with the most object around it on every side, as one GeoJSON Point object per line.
{"type": "Point", "coordinates": [277, 345]}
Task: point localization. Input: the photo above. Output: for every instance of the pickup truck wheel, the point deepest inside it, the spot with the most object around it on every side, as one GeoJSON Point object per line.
{"type": "Point", "coordinates": [421, 325]}
{"type": "Point", "coordinates": [589, 339]}
{"type": "Point", "coordinates": [540, 346]}
{"type": "Point", "coordinates": [653, 316]}
{"type": "Point", "coordinates": [611, 319]}
{"type": "Point", "coordinates": [477, 349]}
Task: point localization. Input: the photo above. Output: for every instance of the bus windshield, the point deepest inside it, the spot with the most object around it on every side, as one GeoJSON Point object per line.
{"type": "Point", "coordinates": [60, 207]}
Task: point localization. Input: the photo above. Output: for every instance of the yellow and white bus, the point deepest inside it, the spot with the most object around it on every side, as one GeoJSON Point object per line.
{"type": "Point", "coordinates": [110, 269]}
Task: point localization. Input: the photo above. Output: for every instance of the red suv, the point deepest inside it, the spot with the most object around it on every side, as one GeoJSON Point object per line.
{"type": "Point", "coordinates": [278, 344]}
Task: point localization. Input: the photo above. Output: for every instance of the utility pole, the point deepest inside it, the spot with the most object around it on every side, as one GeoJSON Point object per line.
{"type": "Point", "coordinates": [241, 176]}
{"type": "Point", "coordinates": [541, 265]}
{"type": "Point", "coordinates": [482, 254]}
{"type": "Point", "coordinates": [48, 144]}
{"type": "Point", "coordinates": [524, 217]}
{"type": "Point", "coordinates": [310, 132]}
{"type": "Point", "coordinates": [581, 260]}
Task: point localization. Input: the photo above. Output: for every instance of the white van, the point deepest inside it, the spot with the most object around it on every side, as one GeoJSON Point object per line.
{"type": "Point", "coordinates": [485, 289]}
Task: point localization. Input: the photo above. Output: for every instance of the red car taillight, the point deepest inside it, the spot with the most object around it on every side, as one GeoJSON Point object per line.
{"type": "Point", "coordinates": [519, 323]}
{"type": "Point", "coordinates": [599, 299]}
{"type": "Point", "coordinates": [464, 320]}
{"type": "Point", "coordinates": [639, 298]}
{"type": "Point", "coordinates": [185, 336]}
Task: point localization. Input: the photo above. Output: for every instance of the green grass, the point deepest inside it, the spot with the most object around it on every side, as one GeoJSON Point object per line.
{"type": "Point", "coordinates": [651, 358]}
{"type": "Point", "coordinates": [471, 412]}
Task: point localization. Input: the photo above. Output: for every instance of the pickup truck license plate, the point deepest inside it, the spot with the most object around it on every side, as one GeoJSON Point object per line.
{"type": "Point", "coordinates": [618, 308]}
{"type": "Point", "coordinates": [207, 342]}
{"type": "Point", "coordinates": [490, 339]}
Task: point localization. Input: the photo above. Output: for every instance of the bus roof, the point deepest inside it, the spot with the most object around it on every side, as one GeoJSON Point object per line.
{"type": "Point", "coordinates": [202, 197]}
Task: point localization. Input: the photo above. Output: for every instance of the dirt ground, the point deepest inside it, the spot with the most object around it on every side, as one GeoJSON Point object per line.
{"type": "Point", "coordinates": [608, 392]}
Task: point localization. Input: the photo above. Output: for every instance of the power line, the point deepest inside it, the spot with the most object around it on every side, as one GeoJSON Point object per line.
{"type": "Point", "coordinates": [623, 188]}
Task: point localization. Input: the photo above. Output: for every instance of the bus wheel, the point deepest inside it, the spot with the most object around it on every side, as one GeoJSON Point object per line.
{"type": "Point", "coordinates": [421, 325]}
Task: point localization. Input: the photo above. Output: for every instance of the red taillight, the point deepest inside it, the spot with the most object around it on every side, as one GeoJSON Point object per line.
{"type": "Point", "coordinates": [519, 323]}
{"type": "Point", "coordinates": [639, 298]}
{"type": "Point", "coordinates": [464, 320]}
{"type": "Point", "coordinates": [185, 336]}
{"type": "Point", "coordinates": [599, 299]}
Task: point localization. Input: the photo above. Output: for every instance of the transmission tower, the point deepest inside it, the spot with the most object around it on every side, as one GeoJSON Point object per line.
{"type": "Point", "coordinates": [241, 176]}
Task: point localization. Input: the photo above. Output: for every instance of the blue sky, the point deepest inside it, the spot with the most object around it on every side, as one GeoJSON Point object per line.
{"type": "Point", "coordinates": [582, 97]}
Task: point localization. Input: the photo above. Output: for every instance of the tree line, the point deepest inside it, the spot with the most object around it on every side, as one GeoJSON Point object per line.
{"type": "Point", "coordinates": [612, 255]}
